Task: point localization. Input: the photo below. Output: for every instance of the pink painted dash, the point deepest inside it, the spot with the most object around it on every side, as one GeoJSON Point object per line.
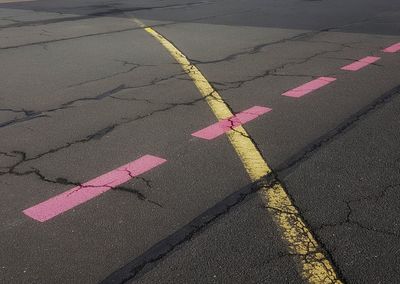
{"type": "Point", "coordinates": [225, 125]}
{"type": "Point", "coordinates": [359, 64]}
{"type": "Point", "coordinates": [309, 87]}
{"type": "Point", "coordinates": [80, 194]}
{"type": "Point", "coordinates": [393, 48]}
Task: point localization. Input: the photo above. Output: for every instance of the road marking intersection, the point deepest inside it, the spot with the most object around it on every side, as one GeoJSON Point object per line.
{"type": "Point", "coordinates": [225, 125]}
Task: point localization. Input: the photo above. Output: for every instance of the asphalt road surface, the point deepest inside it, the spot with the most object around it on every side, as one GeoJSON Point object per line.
{"type": "Point", "coordinates": [213, 141]}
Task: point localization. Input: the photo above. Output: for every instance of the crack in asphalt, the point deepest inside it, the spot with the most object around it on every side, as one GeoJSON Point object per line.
{"type": "Point", "coordinates": [348, 220]}
{"type": "Point", "coordinates": [24, 111]}
{"type": "Point", "coordinates": [109, 12]}
{"type": "Point", "coordinates": [269, 72]}
{"type": "Point", "coordinates": [229, 85]}
{"type": "Point", "coordinates": [31, 115]}
{"type": "Point", "coordinates": [253, 50]}
{"type": "Point", "coordinates": [7, 154]}
{"type": "Point", "coordinates": [66, 39]}
{"type": "Point", "coordinates": [133, 67]}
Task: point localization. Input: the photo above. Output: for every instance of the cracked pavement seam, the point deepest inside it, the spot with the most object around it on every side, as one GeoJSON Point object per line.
{"type": "Point", "coordinates": [273, 72]}
{"type": "Point", "coordinates": [305, 36]}
{"type": "Point", "coordinates": [229, 85]}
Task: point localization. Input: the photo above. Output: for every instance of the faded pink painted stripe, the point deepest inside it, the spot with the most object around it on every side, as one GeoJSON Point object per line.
{"type": "Point", "coordinates": [225, 125]}
{"type": "Point", "coordinates": [80, 194]}
{"type": "Point", "coordinates": [359, 64]}
{"type": "Point", "coordinates": [309, 87]}
{"type": "Point", "coordinates": [393, 48]}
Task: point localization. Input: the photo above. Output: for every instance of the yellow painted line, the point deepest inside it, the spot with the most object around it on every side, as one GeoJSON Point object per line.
{"type": "Point", "coordinates": [314, 266]}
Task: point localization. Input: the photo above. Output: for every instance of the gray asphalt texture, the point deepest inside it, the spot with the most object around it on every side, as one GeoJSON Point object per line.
{"type": "Point", "coordinates": [84, 90]}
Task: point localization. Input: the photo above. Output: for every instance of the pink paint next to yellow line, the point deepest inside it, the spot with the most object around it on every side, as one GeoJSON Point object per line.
{"type": "Point", "coordinates": [223, 126]}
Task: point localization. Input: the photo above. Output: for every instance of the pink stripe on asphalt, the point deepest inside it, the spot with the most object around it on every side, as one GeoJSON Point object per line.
{"type": "Point", "coordinates": [309, 87]}
{"type": "Point", "coordinates": [393, 48]}
{"type": "Point", "coordinates": [359, 64]}
{"type": "Point", "coordinates": [225, 125]}
{"type": "Point", "coordinates": [80, 194]}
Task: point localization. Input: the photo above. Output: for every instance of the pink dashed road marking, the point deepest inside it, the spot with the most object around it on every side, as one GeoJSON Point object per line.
{"type": "Point", "coordinates": [359, 64]}
{"type": "Point", "coordinates": [393, 48]}
{"type": "Point", "coordinates": [80, 194]}
{"type": "Point", "coordinates": [309, 87]}
{"type": "Point", "coordinates": [225, 125]}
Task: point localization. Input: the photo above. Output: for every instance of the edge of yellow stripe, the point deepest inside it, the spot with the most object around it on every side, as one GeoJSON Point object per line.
{"type": "Point", "coordinates": [314, 265]}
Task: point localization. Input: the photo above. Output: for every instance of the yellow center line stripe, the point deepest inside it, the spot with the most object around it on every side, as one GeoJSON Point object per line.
{"type": "Point", "coordinates": [313, 265]}
{"type": "Point", "coordinates": [245, 148]}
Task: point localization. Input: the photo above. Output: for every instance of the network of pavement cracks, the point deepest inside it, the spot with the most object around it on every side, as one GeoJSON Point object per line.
{"type": "Point", "coordinates": [84, 93]}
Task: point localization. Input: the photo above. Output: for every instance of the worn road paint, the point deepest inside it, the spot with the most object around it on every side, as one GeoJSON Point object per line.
{"type": "Point", "coordinates": [80, 194]}
{"type": "Point", "coordinates": [225, 125]}
{"type": "Point", "coordinates": [309, 87]}
{"type": "Point", "coordinates": [393, 48]}
{"type": "Point", "coordinates": [359, 64]}
{"type": "Point", "coordinates": [314, 266]}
